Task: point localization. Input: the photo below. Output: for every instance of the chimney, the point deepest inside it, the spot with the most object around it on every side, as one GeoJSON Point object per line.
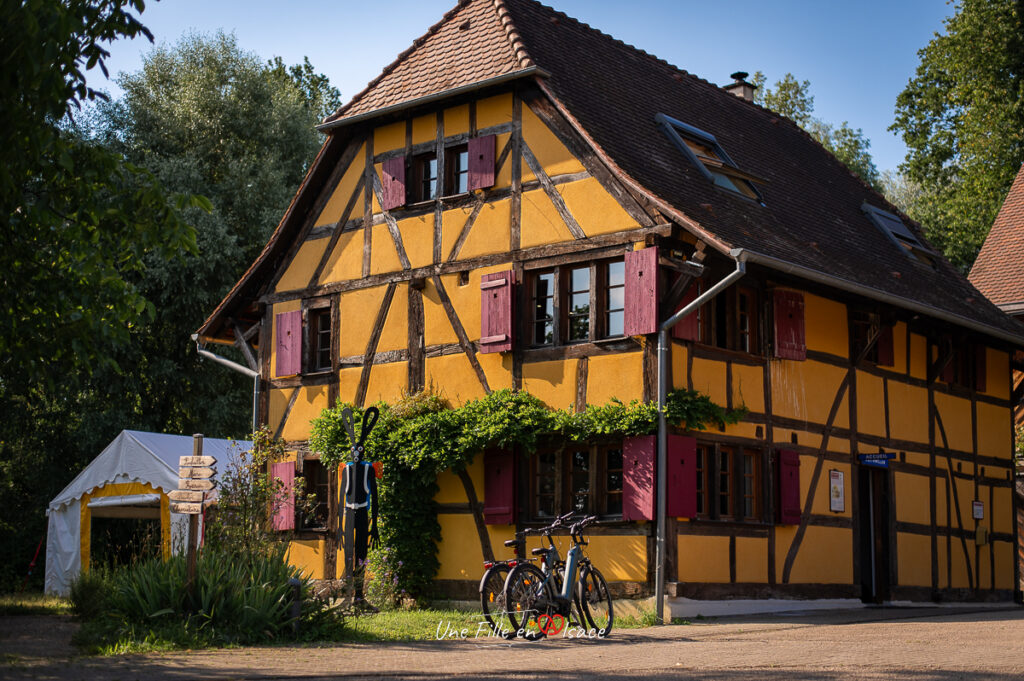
{"type": "Point", "coordinates": [740, 87]}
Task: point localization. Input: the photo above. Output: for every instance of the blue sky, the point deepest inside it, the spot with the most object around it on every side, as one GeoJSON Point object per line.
{"type": "Point", "coordinates": [857, 55]}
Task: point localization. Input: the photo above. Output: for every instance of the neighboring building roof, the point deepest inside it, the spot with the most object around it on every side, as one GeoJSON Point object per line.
{"type": "Point", "coordinates": [812, 223]}
{"type": "Point", "coordinates": [999, 270]}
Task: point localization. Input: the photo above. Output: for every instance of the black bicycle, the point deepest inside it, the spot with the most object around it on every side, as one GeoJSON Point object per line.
{"type": "Point", "coordinates": [492, 586]}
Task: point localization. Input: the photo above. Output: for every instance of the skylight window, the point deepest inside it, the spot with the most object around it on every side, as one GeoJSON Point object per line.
{"type": "Point", "coordinates": [707, 155]}
{"type": "Point", "coordinates": [901, 235]}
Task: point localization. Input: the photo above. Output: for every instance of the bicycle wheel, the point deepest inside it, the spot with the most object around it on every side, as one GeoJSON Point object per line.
{"type": "Point", "coordinates": [529, 600]}
{"type": "Point", "coordinates": [492, 599]}
{"type": "Point", "coordinates": [596, 600]}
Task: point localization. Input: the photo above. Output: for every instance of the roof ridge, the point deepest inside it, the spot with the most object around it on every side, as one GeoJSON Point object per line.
{"type": "Point", "coordinates": [512, 34]}
{"type": "Point", "coordinates": [398, 60]}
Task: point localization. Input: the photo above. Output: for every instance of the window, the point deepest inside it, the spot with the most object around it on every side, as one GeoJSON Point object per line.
{"type": "Point", "coordinates": [731, 321]}
{"type": "Point", "coordinates": [424, 178]}
{"type": "Point", "coordinates": [577, 303]}
{"type": "Point", "coordinates": [892, 226]}
{"type": "Point", "coordinates": [319, 340]}
{"type": "Point", "coordinates": [457, 170]}
{"type": "Point", "coordinates": [585, 479]}
{"type": "Point", "coordinates": [966, 367]}
{"type": "Point", "coordinates": [704, 151]}
{"type": "Point", "coordinates": [314, 474]}
{"type": "Point", "coordinates": [729, 483]}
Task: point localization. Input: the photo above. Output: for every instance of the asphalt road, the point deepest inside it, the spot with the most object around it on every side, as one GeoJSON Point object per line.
{"type": "Point", "coordinates": [917, 644]}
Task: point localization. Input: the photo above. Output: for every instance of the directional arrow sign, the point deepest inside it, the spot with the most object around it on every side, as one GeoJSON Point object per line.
{"type": "Point", "coordinates": [195, 485]}
{"type": "Point", "coordinates": [182, 495]}
{"type": "Point", "coordinates": [196, 461]}
{"type": "Point", "coordinates": [190, 509]}
{"type": "Point", "coordinates": [197, 473]}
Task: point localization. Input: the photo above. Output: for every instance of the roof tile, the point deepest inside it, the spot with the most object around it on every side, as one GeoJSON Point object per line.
{"type": "Point", "coordinates": [999, 270]}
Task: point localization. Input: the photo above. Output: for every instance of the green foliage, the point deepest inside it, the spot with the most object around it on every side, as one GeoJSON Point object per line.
{"type": "Point", "coordinates": [962, 119]}
{"type": "Point", "coordinates": [422, 436]}
{"type": "Point", "coordinates": [90, 593]}
{"type": "Point", "coordinates": [382, 586]}
{"type": "Point", "coordinates": [241, 599]}
{"type": "Point", "coordinates": [793, 99]}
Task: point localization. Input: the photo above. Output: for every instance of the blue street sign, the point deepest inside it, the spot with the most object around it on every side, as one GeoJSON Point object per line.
{"type": "Point", "coordinates": [879, 460]}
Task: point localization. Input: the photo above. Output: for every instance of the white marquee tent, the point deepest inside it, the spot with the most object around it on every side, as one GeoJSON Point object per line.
{"type": "Point", "coordinates": [129, 479]}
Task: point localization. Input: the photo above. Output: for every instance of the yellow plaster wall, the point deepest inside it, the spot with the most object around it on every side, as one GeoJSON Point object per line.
{"type": "Point", "coordinates": [387, 381]}
{"type": "Point", "coordinates": [915, 567]}
{"type": "Point", "coordinates": [456, 120]}
{"type": "Point", "coordinates": [541, 223]}
{"type": "Point", "coordinates": [748, 387]}
{"type": "Point", "coordinates": [596, 211]}
{"type": "Point", "coordinates": [899, 348]}
{"type": "Point", "coordinates": [994, 433]}
{"type": "Point", "coordinates": [825, 325]}
{"type": "Point", "coordinates": [491, 233]}
{"type": "Point", "coordinates": [437, 329]}
{"type": "Point", "coordinates": [383, 253]}
{"type": "Point", "coordinates": [424, 128]}
{"type": "Point", "coordinates": [394, 335]}
{"type": "Point", "coordinates": [288, 306]}
{"type": "Point", "coordinates": [806, 390]}
{"type": "Point", "coordinates": [997, 373]}
{"type": "Point", "coordinates": [825, 557]}
{"type": "Point", "coordinates": [359, 310]}
{"type": "Point", "coordinates": [677, 354]}
{"type": "Point", "coordinates": [908, 412]}
{"type": "Point", "coordinates": [388, 137]}
{"type": "Point", "coordinates": [1002, 510]}
{"type": "Point", "coordinates": [940, 559]}
{"type": "Point", "coordinates": [302, 266]}
{"type": "Point", "coordinates": [494, 110]}
{"type": "Point", "coordinates": [959, 579]}
{"type": "Point", "coordinates": [912, 495]}
{"type": "Point", "coordinates": [459, 550]}
{"type": "Point", "coordinates": [784, 535]}
{"type": "Point", "coordinates": [703, 559]}
{"type": "Point", "coordinates": [751, 560]}
{"type": "Point", "coordinates": [308, 405]}
{"type": "Point", "coordinates": [620, 559]}
{"type": "Point", "coordinates": [503, 178]}
{"type": "Point", "coordinates": [346, 260]}
{"type": "Point", "coordinates": [278, 403]}
{"type": "Point", "coordinates": [870, 404]}
{"type": "Point", "coordinates": [348, 383]}
{"type": "Point", "coordinates": [418, 239]}
{"type": "Point", "coordinates": [709, 378]}
{"type": "Point", "coordinates": [984, 576]}
{"type": "Point", "coordinates": [343, 192]}
{"type": "Point", "coordinates": [618, 376]}
{"type": "Point", "coordinates": [550, 152]}
{"type": "Point", "coordinates": [1004, 565]}
{"type": "Point", "coordinates": [465, 301]}
{"type": "Point", "coordinates": [918, 356]}
{"type": "Point", "coordinates": [497, 368]}
{"type": "Point", "coordinates": [449, 486]}
{"type": "Point", "coordinates": [307, 555]}
{"type": "Point", "coordinates": [956, 419]}
{"type": "Point", "coordinates": [454, 376]}
{"type": "Point", "coordinates": [552, 382]}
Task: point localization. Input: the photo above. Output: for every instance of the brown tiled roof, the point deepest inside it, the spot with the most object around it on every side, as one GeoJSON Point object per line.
{"type": "Point", "coordinates": [999, 270]}
{"type": "Point", "coordinates": [611, 91]}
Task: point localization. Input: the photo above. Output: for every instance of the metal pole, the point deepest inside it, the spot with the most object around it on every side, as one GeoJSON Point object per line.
{"type": "Point", "coordinates": [659, 471]}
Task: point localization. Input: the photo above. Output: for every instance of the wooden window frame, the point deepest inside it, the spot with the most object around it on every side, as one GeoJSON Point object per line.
{"type": "Point", "coordinates": [415, 189]}
{"type": "Point", "coordinates": [313, 311]}
{"type": "Point", "coordinates": [321, 490]}
{"type": "Point", "coordinates": [719, 321]}
{"type": "Point", "coordinates": [601, 489]}
{"type": "Point", "coordinates": [710, 456]}
{"type": "Point", "coordinates": [453, 170]}
{"type": "Point", "coordinates": [598, 319]}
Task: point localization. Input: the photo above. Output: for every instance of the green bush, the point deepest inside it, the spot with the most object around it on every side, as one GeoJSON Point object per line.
{"type": "Point", "coordinates": [91, 593]}
{"type": "Point", "coordinates": [382, 586]}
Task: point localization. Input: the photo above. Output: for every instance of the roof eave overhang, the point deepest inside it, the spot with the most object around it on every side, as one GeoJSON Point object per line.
{"type": "Point", "coordinates": [530, 72]}
{"type": "Point", "coordinates": [770, 262]}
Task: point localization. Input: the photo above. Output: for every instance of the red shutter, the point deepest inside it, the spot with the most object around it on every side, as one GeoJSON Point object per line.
{"type": "Point", "coordinates": [638, 477]}
{"type": "Point", "coordinates": [688, 327]}
{"type": "Point", "coordinates": [789, 325]}
{"type": "Point", "coordinates": [289, 343]}
{"type": "Point", "coordinates": [681, 467]}
{"type": "Point", "coordinates": [496, 327]}
{"type": "Point", "coordinates": [481, 162]}
{"type": "Point", "coordinates": [284, 505]}
{"type": "Point", "coordinates": [788, 473]}
{"type": "Point", "coordinates": [499, 487]}
{"type": "Point", "coordinates": [980, 369]}
{"type": "Point", "coordinates": [641, 315]}
{"type": "Point", "coordinates": [886, 356]}
{"type": "Point", "coordinates": [393, 183]}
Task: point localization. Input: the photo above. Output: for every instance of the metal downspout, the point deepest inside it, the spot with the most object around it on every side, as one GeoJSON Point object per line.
{"type": "Point", "coordinates": [663, 363]}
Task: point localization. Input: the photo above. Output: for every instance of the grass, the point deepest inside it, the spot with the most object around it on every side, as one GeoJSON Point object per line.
{"type": "Point", "coordinates": [33, 603]}
{"type": "Point", "coordinates": [411, 625]}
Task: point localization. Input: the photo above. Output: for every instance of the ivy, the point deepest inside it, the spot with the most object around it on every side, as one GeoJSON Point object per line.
{"type": "Point", "coordinates": [422, 435]}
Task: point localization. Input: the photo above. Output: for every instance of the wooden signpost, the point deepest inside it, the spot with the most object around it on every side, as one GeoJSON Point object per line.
{"type": "Point", "coordinates": [194, 473]}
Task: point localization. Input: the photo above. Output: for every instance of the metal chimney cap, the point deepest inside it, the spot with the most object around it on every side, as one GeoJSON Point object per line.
{"type": "Point", "coordinates": [739, 76]}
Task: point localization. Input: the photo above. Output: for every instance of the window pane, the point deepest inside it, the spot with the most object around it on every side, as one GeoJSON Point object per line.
{"type": "Point", "coordinates": [616, 298]}
{"type": "Point", "coordinates": [579, 327]}
{"type": "Point", "coordinates": [544, 484]}
{"type": "Point", "coordinates": [616, 323]}
{"type": "Point", "coordinates": [724, 480]}
{"type": "Point", "coordinates": [702, 467]}
{"type": "Point", "coordinates": [613, 481]}
{"type": "Point", "coordinates": [544, 309]}
{"type": "Point", "coordinates": [462, 172]}
{"type": "Point", "coordinates": [580, 303]}
{"type": "Point", "coordinates": [580, 481]}
{"type": "Point", "coordinates": [616, 274]}
{"type": "Point", "coordinates": [580, 279]}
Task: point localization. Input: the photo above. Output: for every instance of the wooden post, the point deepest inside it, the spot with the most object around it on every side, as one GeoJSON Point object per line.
{"type": "Point", "coordinates": [193, 528]}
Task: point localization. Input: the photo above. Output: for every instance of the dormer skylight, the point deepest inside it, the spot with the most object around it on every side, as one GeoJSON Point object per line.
{"type": "Point", "coordinates": [892, 226]}
{"type": "Point", "coordinates": [708, 156]}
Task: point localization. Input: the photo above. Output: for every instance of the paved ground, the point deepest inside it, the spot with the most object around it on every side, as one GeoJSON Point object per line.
{"type": "Point", "coordinates": [916, 644]}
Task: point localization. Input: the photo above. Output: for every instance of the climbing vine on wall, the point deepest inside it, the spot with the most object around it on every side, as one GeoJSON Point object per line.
{"type": "Point", "coordinates": [422, 435]}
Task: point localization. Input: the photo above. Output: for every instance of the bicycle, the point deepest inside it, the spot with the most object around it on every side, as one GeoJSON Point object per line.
{"type": "Point", "coordinates": [534, 598]}
{"type": "Point", "coordinates": [492, 586]}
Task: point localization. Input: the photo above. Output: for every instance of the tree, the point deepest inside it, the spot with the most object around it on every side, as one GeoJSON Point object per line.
{"type": "Point", "coordinates": [962, 119]}
{"type": "Point", "coordinates": [81, 221]}
{"type": "Point", "coordinates": [793, 99]}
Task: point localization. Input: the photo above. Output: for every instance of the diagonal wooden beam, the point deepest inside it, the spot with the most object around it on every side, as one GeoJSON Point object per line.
{"type": "Point", "coordinates": [396, 235]}
{"type": "Point", "coordinates": [464, 234]}
{"type": "Point", "coordinates": [336, 234]}
{"type": "Point", "coordinates": [242, 344]}
{"type": "Point", "coordinates": [549, 189]}
{"type": "Point", "coordinates": [287, 412]}
{"type": "Point", "coordinates": [956, 497]}
{"type": "Point", "coordinates": [467, 345]}
{"type": "Point", "coordinates": [371, 344]}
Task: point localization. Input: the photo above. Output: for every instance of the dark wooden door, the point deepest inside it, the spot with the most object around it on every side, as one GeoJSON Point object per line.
{"type": "Point", "coordinates": [874, 509]}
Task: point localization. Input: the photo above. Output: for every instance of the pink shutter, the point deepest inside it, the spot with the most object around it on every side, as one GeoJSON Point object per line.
{"type": "Point", "coordinates": [641, 315]}
{"type": "Point", "coordinates": [499, 487]}
{"type": "Point", "coordinates": [681, 460]}
{"type": "Point", "coordinates": [393, 183]}
{"type": "Point", "coordinates": [289, 343]}
{"type": "Point", "coordinates": [788, 471]}
{"type": "Point", "coordinates": [481, 162]}
{"type": "Point", "coordinates": [688, 327]}
{"type": "Point", "coordinates": [886, 356]}
{"type": "Point", "coordinates": [284, 505]}
{"type": "Point", "coordinates": [496, 327]}
{"type": "Point", "coordinates": [980, 369]}
{"type": "Point", "coordinates": [789, 325]}
{"type": "Point", "coordinates": [638, 477]}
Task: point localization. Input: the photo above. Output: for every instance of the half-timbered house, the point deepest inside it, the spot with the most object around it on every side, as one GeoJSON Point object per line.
{"type": "Point", "coordinates": [520, 201]}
